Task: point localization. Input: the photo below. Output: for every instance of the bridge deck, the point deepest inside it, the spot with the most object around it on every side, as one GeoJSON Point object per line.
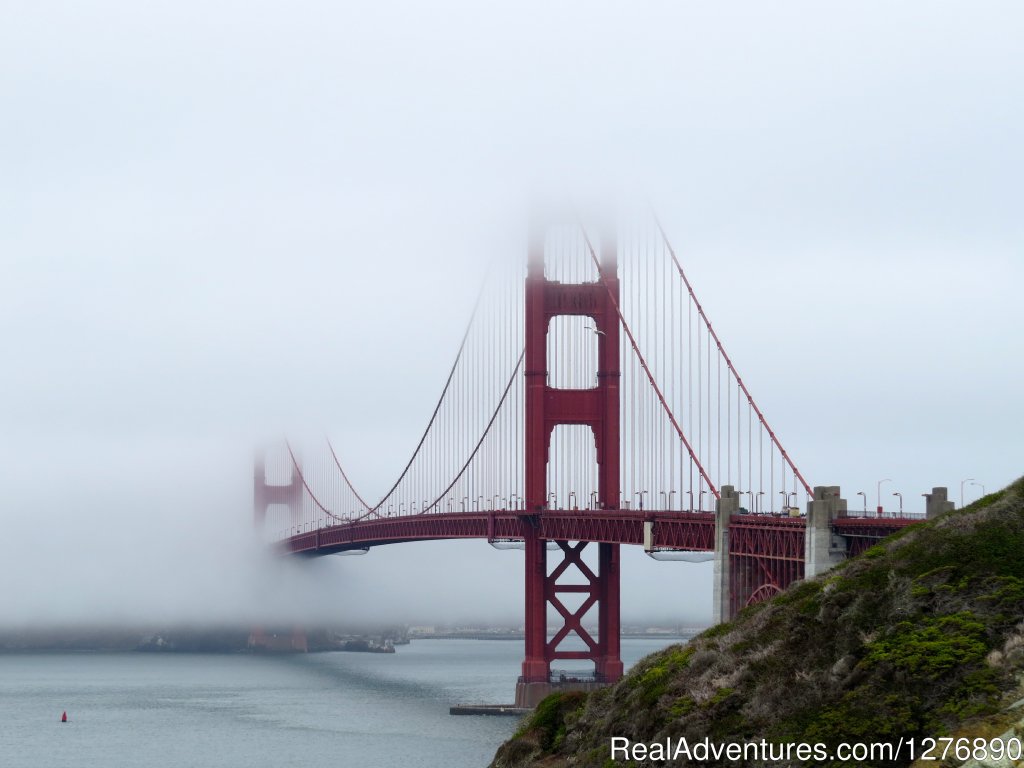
{"type": "Point", "coordinates": [672, 529]}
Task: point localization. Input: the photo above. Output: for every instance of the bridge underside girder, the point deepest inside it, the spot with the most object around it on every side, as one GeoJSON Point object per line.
{"type": "Point", "coordinates": [672, 529]}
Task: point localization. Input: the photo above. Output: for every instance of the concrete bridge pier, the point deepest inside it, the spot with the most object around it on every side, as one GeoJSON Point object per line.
{"type": "Point", "coordinates": [937, 502]}
{"type": "Point", "coordinates": [757, 568]}
{"type": "Point", "coordinates": [823, 549]}
{"type": "Point", "coordinates": [726, 506]}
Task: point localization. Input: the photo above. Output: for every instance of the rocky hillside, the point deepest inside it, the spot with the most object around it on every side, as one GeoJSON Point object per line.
{"type": "Point", "coordinates": [921, 636]}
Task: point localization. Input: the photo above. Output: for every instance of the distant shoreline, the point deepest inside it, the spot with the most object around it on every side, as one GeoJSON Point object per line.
{"type": "Point", "coordinates": [189, 640]}
{"type": "Point", "coordinates": [240, 641]}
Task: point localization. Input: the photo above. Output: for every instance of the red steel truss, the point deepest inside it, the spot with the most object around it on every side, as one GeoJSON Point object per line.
{"type": "Point", "coordinates": [766, 555]}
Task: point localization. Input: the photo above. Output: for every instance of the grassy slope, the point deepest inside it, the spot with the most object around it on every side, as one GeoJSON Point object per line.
{"type": "Point", "coordinates": [918, 636]}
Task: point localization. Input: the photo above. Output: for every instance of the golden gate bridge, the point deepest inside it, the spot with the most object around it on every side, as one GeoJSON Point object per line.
{"type": "Point", "coordinates": [590, 403]}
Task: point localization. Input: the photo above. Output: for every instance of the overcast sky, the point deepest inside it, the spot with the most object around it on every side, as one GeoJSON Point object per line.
{"type": "Point", "coordinates": [223, 221]}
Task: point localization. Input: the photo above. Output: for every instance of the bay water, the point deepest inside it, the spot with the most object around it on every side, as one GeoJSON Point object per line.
{"type": "Point", "coordinates": [242, 711]}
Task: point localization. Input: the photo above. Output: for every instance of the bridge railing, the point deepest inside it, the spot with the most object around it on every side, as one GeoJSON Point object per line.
{"type": "Point", "coordinates": [886, 514]}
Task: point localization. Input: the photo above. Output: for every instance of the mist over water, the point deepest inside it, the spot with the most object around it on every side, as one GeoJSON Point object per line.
{"type": "Point", "coordinates": [221, 226]}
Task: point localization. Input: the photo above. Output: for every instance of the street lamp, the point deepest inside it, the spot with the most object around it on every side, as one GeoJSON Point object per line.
{"type": "Point", "coordinates": [572, 499]}
{"type": "Point", "coordinates": [878, 497]}
{"type": "Point", "coordinates": [966, 480]}
{"type": "Point", "coordinates": [980, 485]}
{"type": "Point", "coordinates": [641, 495]}
{"type": "Point", "coordinates": [462, 503]}
{"type": "Point", "coordinates": [785, 500]}
{"type": "Point", "coordinates": [760, 503]}
{"type": "Point", "coordinates": [551, 500]}
{"type": "Point", "coordinates": [791, 503]}
{"type": "Point", "coordinates": [691, 499]}
{"type": "Point", "coordinates": [861, 493]}
{"type": "Point", "coordinates": [593, 499]}
{"type": "Point", "coordinates": [897, 493]}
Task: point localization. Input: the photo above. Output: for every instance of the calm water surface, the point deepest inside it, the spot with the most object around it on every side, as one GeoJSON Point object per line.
{"type": "Point", "coordinates": [333, 709]}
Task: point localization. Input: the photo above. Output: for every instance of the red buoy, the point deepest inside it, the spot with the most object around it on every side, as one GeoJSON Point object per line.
{"type": "Point", "coordinates": [64, 717]}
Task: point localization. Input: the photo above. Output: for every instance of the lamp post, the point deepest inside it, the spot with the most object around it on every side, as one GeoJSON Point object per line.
{"type": "Point", "coordinates": [700, 499]}
{"type": "Point", "coordinates": [878, 497]}
{"type": "Point", "coordinates": [760, 502]}
{"type": "Point", "coordinates": [462, 503]}
{"type": "Point", "coordinates": [572, 499]}
{"type": "Point", "coordinates": [785, 500]}
{"type": "Point", "coordinates": [980, 485]}
{"type": "Point", "coordinates": [691, 499]}
{"type": "Point", "coordinates": [551, 500]}
{"type": "Point", "coordinates": [670, 493]}
{"type": "Point", "coordinates": [965, 480]}
{"type": "Point", "coordinates": [641, 495]}
{"type": "Point", "coordinates": [897, 493]}
{"type": "Point", "coordinates": [861, 493]}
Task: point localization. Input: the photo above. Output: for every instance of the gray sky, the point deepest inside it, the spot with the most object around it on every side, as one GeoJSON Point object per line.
{"type": "Point", "coordinates": [219, 222]}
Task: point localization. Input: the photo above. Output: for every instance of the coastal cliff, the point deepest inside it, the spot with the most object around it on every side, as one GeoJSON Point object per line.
{"type": "Point", "coordinates": [921, 636]}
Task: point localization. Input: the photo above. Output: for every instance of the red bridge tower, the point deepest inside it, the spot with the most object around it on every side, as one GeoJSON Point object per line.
{"type": "Point", "coordinates": [546, 408]}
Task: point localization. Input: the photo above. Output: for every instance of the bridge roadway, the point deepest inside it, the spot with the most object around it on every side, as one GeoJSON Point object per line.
{"type": "Point", "coordinates": [671, 530]}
